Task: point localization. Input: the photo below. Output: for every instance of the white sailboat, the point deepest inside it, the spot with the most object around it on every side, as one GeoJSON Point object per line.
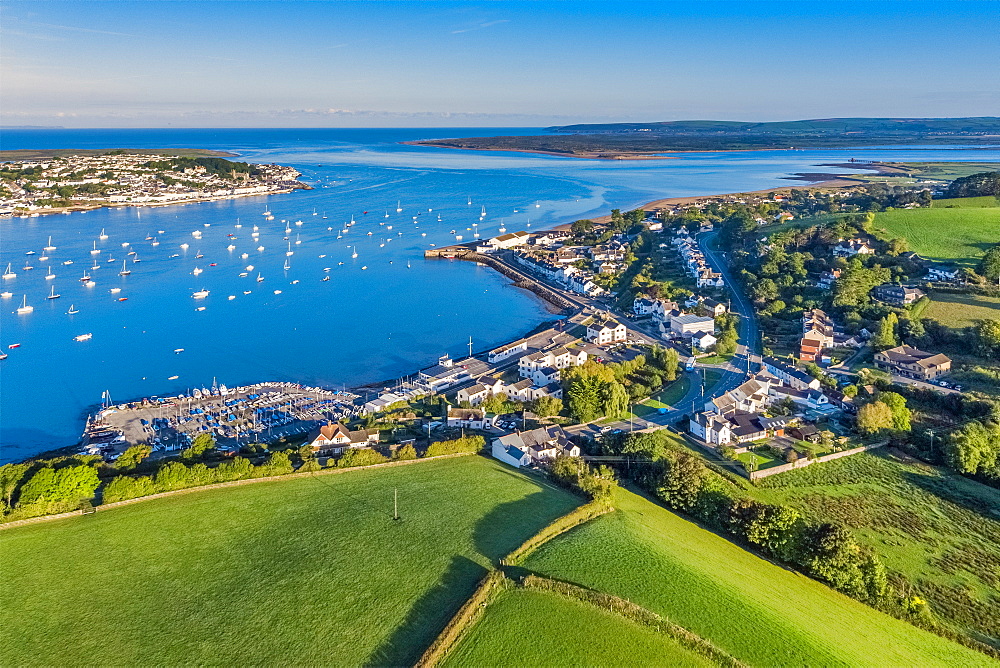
{"type": "Point", "coordinates": [102, 236]}
{"type": "Point", "coordinates": [94, 250]}
{"type": "Point", "coordinates": [287, 265]}
{"type": "Point", "coordinates": [387, 213]}
{"type": "Point", "coordinates": [399, 206]}
{"type": "Point", "coordinates": [52, 293]}
{"type": "Point", "coordinates": [49, 246]}
{"type": "Point", "coordinates": [125, 270]}
{"type": "Point", "coordinates": [289, 252]}
{"type": "Point", "coordinates": [355, 253]}
{"type": "Point", "coordinates": [72, 310]}
{"type": "Point", "coordinates": [8, 273]}
{"type": "Point", "coordinates": [49, 276]}
{"type": "Point", "coordinates": [24, 307]}
{"type": "Point", "coordinates": [260, 279]}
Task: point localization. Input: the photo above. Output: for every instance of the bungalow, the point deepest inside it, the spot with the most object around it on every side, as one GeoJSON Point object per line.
{"type": "Point", "coordinates": [805, 432]}
{"type": "Point", "coordinates": [605, 331]}
{"type": "Point", "coordinates": [913, 363]}
{"type": "Point", "coordinates": [943, 273]}
{"type": "Point", "coordinates": [468, 418]}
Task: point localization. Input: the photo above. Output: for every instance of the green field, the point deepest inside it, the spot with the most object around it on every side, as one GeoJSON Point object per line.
{"type": "Point", "coordinates": [966, 203]}
{"type": "Point", "coordinates": [757, 611]}
{"type": "Point", "coordinates": [962, 310]}
{"type": "Point", "coordinates": [305, 571]}
{"type": "Point", "coordinates": [959, 236]}
{"type": "Point", "coordinates": [532, 628]}
{"type": "Point", "coordinates": [938, 529]}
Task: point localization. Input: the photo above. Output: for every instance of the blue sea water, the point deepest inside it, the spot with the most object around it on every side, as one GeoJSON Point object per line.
{"type": "Point", "coordinates": [361, 326]}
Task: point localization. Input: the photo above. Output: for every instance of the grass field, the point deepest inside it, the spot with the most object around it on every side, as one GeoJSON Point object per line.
{"type": "Point", "coordinates": [966, 203]}
{"type": "Point", "coordinates": [663, 399]}
{"type": "Point", "coordinates": [938, 529]}
{"type": "Point", "coordinates": [307, 571]}
{"type": "Point", "coordinates": [532, 628]}
{"type": "Point", "coordinates": [959, 236]}
{"type": "Point", "coordinates": [757, 611]}
{"type": "Point", "coordinates": [962, 310]}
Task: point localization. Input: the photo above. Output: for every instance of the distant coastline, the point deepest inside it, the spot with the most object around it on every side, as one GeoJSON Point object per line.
{"type": "Point", "coordinates": [38, 182]}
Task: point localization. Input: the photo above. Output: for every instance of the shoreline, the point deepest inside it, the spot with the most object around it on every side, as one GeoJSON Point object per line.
{"type": "Point", "coordinates": [596, 155]}
{"type": "Point", "coordinates": [83, 208]}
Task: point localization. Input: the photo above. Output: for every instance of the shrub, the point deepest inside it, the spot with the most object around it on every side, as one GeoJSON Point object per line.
{"type": "Point", "coordinates": [360, 457]}
{"type": "Point", "coordinates": [468, 444]}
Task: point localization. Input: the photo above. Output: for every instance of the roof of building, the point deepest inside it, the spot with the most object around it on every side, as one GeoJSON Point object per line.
{"type": "Point", "coordinates": [692, 319]}
{"type": "Point", "coordinates": [478, 388]}
{"type": "Point", "coordinates": [465, 413]}
{"type": "Point", "coordinates": [910, 355]}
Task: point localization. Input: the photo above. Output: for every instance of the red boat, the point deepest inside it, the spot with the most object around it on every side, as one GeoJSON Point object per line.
{"type": "Point", "coordinates": [123, 299]}
{"type": "Point", "coordinates": [14, 345]}
{"type": "Point", "coordinates": [213, 265]}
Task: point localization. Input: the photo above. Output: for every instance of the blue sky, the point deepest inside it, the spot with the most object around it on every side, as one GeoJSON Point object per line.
{"type": "Point", "coordinates": [146, 63]}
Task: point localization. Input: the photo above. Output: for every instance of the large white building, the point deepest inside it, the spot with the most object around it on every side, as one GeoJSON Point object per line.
{"type": "Point", "coordinates": [605, 331]}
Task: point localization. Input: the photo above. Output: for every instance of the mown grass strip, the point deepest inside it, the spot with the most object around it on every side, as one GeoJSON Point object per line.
{"type": "Point", "coordinates": [634, 613]}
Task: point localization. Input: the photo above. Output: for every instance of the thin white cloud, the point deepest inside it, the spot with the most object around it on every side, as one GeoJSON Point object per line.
{"type": "Point", "coordinates": [78, 29]}
{"type": "Point", "coordinates": [480, 26]}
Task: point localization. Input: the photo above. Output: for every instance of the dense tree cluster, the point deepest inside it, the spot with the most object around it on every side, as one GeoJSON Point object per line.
{"type": "Point", "coordinates": [574, 473]}
{"type": "Point", "coordinates": [975, 185]}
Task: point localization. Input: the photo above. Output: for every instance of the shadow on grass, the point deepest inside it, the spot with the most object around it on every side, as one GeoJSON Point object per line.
{"type": "Point", "coordinates": [429, 615]}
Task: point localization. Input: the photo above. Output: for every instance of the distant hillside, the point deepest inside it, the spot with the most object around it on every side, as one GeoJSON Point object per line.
{"type": "Point", "coordinates": [630, 140]}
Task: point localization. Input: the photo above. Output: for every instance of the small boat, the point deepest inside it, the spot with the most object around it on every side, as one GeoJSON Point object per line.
{"type": "Point", "coordinates": [184, 246]}
{"type": "Point", "coordinates": [155, 242]}
{"type": "Point", "coordinates": [173, 256]}
{"type": "Point", "coordinates": [244, 256]}
{"type": "Point", "coordinates": [85, 277]}
{"type": "Point", "coordinates": [4, 356]}
{"type": "Point", "coordinates": [201, 294]}
{"type": "Point", "coordinates": [326, 278]}
{"type": "Point", "coordinates": [297, 240]}
{"type": "Point", "coordinates": [322, 256]}
{"type": "Point", "coordinates": [200, 308]}
{"type": "Point", "coordinates": [173, 377]}
{"type": "Point", "coordinates": [94, 250]}
{"type": "Point", "coordinates": [246, 292]}
{"type": "Point", "coordinates": [196, 234]}
{"type": "Point", "coordinates": [243, 274]}
{"type": "Point", "coordinates": [208, 224]}
{"type": "Point", "coordinates": [399, 206]}
{"type": "Point", "coordinates": [249, 267]}
{"type": "Point", "coordinates": [26, 267]}
{"type": "Point", "coordinates": [13, 345]}
{"type": "Point", "coordinates": [49, 246]}
{"type": "Point", "coordinates": [84, 337]}
{"type": "Point", "coordinates": [178, 351]}
{"type": "Point", "coordinates": [123, 299]}
{"type": "Point", "coordinates": [260, 249]}
{"type": "Point", "coordinates": [299, 222]}
{"type": "Point", "coordinates": [314, 212]}
{"type": "Point", "coordinates": [68, 262]}
{"type": "Point", "coordinates": [355, 253]}
{"type": "Point", "coordinates": [232, 297]}
{"type": "Point", "coordinates": [30, 253]}
{"type": "Point", "coordinates": [363, 268]}
{"type": "Point", "coordinates": [136, 259]}
{"type": "Point", "coordinates": [289, 252]}
{"type": "Point", "coordinates": [125, 244]}
{"type": "Point", "coordinates": [407, 264]}
{"type": "Point", "coordinates": [72, 310]}
{"type": "Point", "coordinates": [295, 282]}
{"type": "Point", "coordinates": [230, 248]}
{"type": "Point", "coordinates": [43, 258]}
{"type": "Point", "coordinates": [52, 293]}
{"type": "Point", "coordinates": [199, 255]}
{"type": "Point", "coordinates": [90, 284]}
{"type": "Point", "coordinates": [287, 265]}
{"type": "Point", "coordinates": [125, 270]}
{"type": "Point", "coordinates": [6, 294]}
{"type": "Point", "coordinates": [115, 291]}
{"type": "Point", "coordinates": [277, 292]}
{"type": "Point", "coordinates": [102, 236]}
{"type": "Point", "coordinates": [537, 204]}
{"type": "Point", "coordinates": [386, 213]}
{"type": "Point", "coordinates": [25, 307]}
{"type": "Point", "coordinates": [197, 270]}
{"type": "Point", "coordinates": [260, 279]}
{"type": "Point", "coordinates": [213, 264]}
{"type": "Point", "coordinates": [8, 273]}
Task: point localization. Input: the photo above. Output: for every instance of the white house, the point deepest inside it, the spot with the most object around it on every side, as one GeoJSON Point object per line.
{"type": "Point", "coordinates": [469, 418]}
{"type": "Point", "coordinates": [545, 375]}
{"type": "Point", "coordinates": [510, 240]}
{"type": "Point", "coordinates": [605, 331]}
{"type": "Point", "coordinates": [474, 394]}
{"type": "Point", "coordinates": [787, 373]}
{"type": "Point", "coordinates": [943, 273]}
{"type": "Point", "coordinates": [703, 340]}
{"type": "Point", "coordinates": [853, 247]}
{"type": "Point", "coordinates": [710, 428]}
{"type": "Point", "coordinates": [538, 445]}
{"type": "Point", "coordinates": [381, 402]}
